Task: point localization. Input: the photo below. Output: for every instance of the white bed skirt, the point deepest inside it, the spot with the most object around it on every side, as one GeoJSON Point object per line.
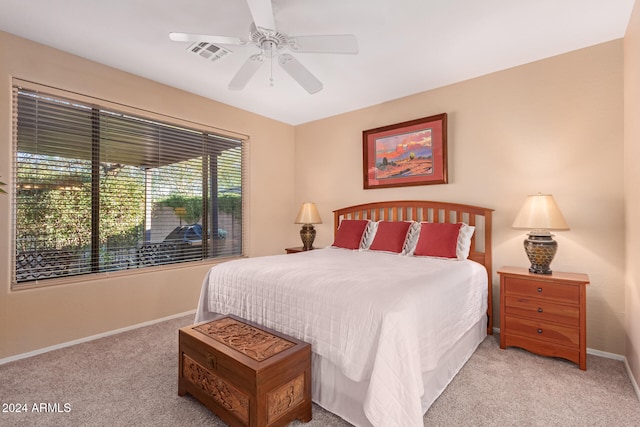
{"type": "Point", "coordinates": [345, 398]}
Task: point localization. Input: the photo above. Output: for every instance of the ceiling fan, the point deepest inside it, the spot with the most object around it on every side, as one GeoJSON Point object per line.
{"type": "Point", "coordinates": [272, 43]}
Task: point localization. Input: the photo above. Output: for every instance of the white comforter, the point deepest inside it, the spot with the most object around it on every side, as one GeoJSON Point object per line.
{"type": "Point", "coordinates": [377, 316]}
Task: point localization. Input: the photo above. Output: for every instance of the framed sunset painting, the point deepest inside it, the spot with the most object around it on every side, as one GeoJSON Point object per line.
{"type": "Point", "coordinates": [408, 153]}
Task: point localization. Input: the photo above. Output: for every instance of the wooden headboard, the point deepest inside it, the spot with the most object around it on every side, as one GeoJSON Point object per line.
{"type": "Point", "coordinates": [427, 211]}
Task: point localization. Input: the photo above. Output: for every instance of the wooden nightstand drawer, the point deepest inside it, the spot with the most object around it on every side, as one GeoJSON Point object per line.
{"type": "Point", "coordinates": [543, 348]}
{"type": "Point", "coordinates": [540, 309]}
{"type": "Point", "coordinates": [543, 331]}
{"type": "Point", "coordinates": [546, 290]}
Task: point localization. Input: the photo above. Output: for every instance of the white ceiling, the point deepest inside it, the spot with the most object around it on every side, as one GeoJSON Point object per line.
{"type": "Point", "coordinates": [406, 46]}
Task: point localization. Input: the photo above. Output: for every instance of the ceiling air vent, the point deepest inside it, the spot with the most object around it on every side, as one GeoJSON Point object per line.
{"type": "Point", "coordinates": [208, 51]}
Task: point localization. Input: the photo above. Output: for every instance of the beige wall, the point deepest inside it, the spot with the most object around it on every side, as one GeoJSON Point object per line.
{"type": "Point", "coordinates": [632, 184]}
{"type": "Point", "coordinates": [554, 126]}
{"type": "Point", "coordinates": [33, 319]}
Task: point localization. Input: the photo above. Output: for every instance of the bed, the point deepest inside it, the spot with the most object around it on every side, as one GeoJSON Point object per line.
{"type": "Point", "coordinates": [390, 325]}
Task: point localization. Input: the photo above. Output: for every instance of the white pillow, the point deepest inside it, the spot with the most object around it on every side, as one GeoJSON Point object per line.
{"type": "Point", "coordinates": [412, 239]}
{"type": "Point", "coordinates": [369, 234]}
{"type": "Point", "coordinates": [464, 241]}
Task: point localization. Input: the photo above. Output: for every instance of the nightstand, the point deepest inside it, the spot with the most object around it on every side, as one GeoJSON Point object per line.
{"type": "Point", "coordinates": [544, 313]}
{"type": "Point", "coordinates": [295, 250]}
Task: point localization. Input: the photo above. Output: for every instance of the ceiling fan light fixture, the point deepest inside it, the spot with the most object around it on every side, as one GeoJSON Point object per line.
{"type": "Point", "coordinates": [270, 48]}
{"type": "Point", "coordinates": [259, 36]}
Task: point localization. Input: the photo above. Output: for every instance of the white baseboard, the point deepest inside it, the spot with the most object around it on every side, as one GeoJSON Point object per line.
{"type": "Point", "coordinates": [622, 358]}
{"type": "Point", "coordinates": [92, 337]}
{"type": "Point", "coordinates": [632, 378]}
{"type": "Point", "coordinates": [606, 354]}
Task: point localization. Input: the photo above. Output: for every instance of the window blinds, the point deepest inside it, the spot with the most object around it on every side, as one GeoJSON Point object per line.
{"type": "Point", "coordinates": [100, 190]}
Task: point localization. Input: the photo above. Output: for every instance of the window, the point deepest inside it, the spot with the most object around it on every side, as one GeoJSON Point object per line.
{"type": "Point", "coordinates": [100, 190]}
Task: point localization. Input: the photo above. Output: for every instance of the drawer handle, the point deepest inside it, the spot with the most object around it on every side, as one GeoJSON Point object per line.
{"type": "Point", "coordinates": [540, 290]}
{"type": "Point", "coordinates": [539, 309]}
{"type": "Point", "coordinates": [539, 331]}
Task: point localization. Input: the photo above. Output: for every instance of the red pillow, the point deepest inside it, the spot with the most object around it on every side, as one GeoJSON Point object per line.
{"type": "Point", "coordinates": [438, 240]}
{"type": "Point", "coordinates": [390, 236]}
{"type": "Point", "coordinates": [350, 233]}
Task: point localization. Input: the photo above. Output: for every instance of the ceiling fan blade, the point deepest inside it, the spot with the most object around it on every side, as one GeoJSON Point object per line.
{"type": "Point", "coordinates": [299, 73]}
{"type": "Point", "coordinates": [185, 37]}
{"type": "Point", "coordinates": [245, 72]}
{"type": "Point", "coordinates": [341, 43]}
{"type": "Point", "coordinates": [262, 13]}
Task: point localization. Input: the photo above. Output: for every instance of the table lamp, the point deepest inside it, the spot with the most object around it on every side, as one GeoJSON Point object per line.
{"type": "Point", "coordinates": [541, 214]}
{"type": "Point", "coordinates": [308, 215]}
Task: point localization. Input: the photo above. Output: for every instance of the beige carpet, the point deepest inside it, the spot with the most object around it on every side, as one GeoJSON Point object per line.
{"type": "Point", "coordinates": [130, 379]}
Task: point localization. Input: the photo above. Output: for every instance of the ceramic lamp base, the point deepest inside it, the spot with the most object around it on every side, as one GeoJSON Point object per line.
{"type": "Point", "coordinates": [540, 248]}
{"type": "Point", "coordinates": [308, 235]}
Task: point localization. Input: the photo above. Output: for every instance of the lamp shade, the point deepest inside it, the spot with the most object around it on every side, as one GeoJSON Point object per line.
{"type": "Point", "coordinates": [308, 214]}
{"type": "Point", "coordinates": [540, 211]}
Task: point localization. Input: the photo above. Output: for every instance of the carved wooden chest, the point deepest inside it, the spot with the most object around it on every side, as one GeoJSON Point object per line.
{"type": "Point", "coordinates": [246, 374]}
